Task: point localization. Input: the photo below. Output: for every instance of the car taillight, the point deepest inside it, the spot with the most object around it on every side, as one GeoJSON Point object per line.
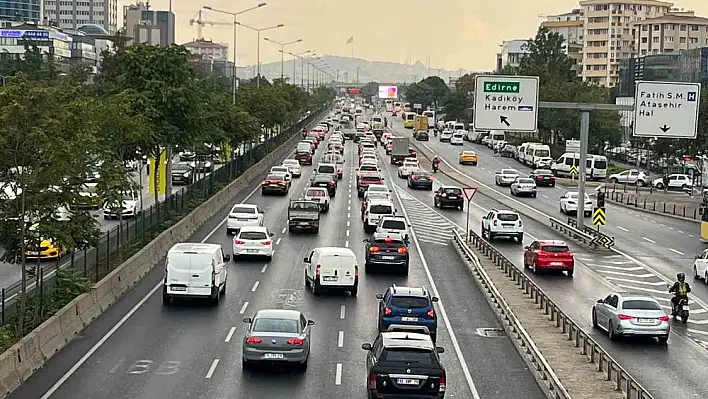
{"type": "Point", "coordinates": [267, 242]}
{"type": "Point", "coordinates": [414, 177]}
{"type": "Point", "coordinates": [372, 381]}
{"type": "Point", "coordinates": [312, 183]}
{"type": "Point", "coordinates": [663, 318]}
{"type": "Point", "coordinates": [296, 341]}
{"type": "Point", "coordinates": [265, 182]}
{"type": "Point", "coordinates": [356, 271]}
{"type": "Point", "coordinates": [374, 249]}
{"type": "Point", "coordinates": [431, 314]}
{"type": "Point", "coordinates": [624, 317]}
{"type": "Point", "coordinates": [318, 270]}
{"type": "Point", "coordinates": [403, 250]}
{"type": "Point", "coordinates": [253, 340]}
{"type": "Point", "coordinates": [388, 311]}
{"type": "Point", "coordinates": [331, 184]}
{"type": "Point", "coordinates": [443, 384]}
{"type": "Point", "coordinates": [553, 178]}
{"type": "Point", "coordinates": [495, 222]}
{"type": "Point", "coordinates": [239, 242]}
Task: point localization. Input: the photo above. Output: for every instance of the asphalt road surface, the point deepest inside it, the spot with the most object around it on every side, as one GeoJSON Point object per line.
{"type": "Point", "coordinates": [639, 265]}
{"type": "Point", "coordinates": [140, 349]}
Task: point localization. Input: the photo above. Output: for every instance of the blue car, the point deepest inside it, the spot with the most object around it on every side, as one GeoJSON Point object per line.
{"type": "Point", "coordinates": [408, 308]}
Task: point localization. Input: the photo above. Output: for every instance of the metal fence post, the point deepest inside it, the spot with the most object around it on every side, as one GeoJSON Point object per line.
{"type": "Point", "coordinates": [2, 314]}
{"type": "Point", "coordinates": [85, 262]}
{"type": "Point", "coordinates": [41, 293]}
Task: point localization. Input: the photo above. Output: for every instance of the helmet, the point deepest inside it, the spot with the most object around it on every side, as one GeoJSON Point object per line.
{"type": "Point", "coordinates": [681, 277]}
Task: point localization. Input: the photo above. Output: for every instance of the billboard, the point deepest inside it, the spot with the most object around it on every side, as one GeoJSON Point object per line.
{"type": "Point", "coordinates": [390, 92]}
{"type": "Point", "coordinates": [353, 90]}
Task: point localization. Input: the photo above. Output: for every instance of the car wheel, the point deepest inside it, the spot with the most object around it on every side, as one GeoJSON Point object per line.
{"type": "Point", "coordinates": [354, 290]}
{"type": "Point", "coordinates": [520, 238]}
{"type": "Point", "coordinates": [570, 272]}
{"type": "Point", "coordinates": [663, 339]}
{"type": "Point", "coordinates": [614, 180]}
{"type": "Point", "coordinates": [660, 186]}
{"type": "Point", "coordinates": [594, 319]}
{"type": "Point", "coordinates": [611, 332]}
{"type": "Point", "coordinates": [534, 267]}
{"type": "Point", "coordinates": [245, 366]}
{"type": "Point", "coordinates": [705, 278]}
{"type": "Point", "coordinates": [315, 285]}
{"type": "Point", "coordinates": [695, 273]}
{"type": "Point", "coordinates": [307, 281]}
{"type": "Point", "coordinates": [533, 195]}
{"type": "Point", "coordinates": [166, 299]}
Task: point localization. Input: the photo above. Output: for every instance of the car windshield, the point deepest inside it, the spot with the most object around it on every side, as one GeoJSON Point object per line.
{"type": "Point", "coordinates": [243, 209]}
{"type": "Point", "coordinates": [279, 169]}
{"type": "Point", "coordinates": [378, 188]}
{"type": "Point", "coordinates": [453, 191]}
{"type": "Point", "coordinates": [407, 355]}
{"type": "Point", "coordinates": [410, 164]}
{"type": "Point", "coordinates": [640, 304]}
{"type": "Point", "coordinates": [326, 169]}
{"type": "Point", "coordinates": [323, 177]}
{"type": "Point", "coordinates": [371, 168]}
{"type": "Point", "coordinates": [394, 224]}
{"type": "Point", "coordinates": [409, 302]}
{"type": "Point", "coordinates": [526, 181]}
{"type": "Point", "coordinates": [378, 195]}
{"type": "Point", "coordinates": [472, 153]}
{"type": "Point", "coordinates": [574, 196]}
{"type": "Point", "coordinates": [542, 172]}
{"type": "Point", "coordinates": [555, 248]}
{"type": "Point", "coordinates": [291, 162]}
{"type": "Point", "coordinates": [252, 235]}
{"type": "Point", "coordinates": [275, 177]}
{"type": "Point", "coordinates": [315, 193]}
{"type": "Point", "coordinates": [128, 197]}
{"type": "Point", "coordinates": [381, 209]}
{"type": "Point", "coordinates": [509, 172]}
{"type": "Point", "coordinates": [507, 217]}
{"type": "Point", "coordinates": [275, 325]}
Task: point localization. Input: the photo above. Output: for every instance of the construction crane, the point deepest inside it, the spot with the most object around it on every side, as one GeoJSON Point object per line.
{"type": "Point", "coordinates": [201, 23]}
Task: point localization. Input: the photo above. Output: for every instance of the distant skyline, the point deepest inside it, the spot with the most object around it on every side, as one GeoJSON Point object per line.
{"type": "Point", "coordinates": [454, 34]}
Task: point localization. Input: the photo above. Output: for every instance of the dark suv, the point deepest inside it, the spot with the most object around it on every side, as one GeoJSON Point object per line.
{"type": "Point", "coordinates": [387, 253]}
{"type": "Point", "coordinates": [449, 196]}
{"type": "Point", "coordinates": [404, 364]}
{"type": "Point", "coordinates": [408, 306]}
{"type": "Point", "coordinates": [325, 180]}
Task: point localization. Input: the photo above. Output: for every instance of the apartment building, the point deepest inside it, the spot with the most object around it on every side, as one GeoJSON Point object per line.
{"type": "Point", "coordinates": [609, 34]}
{"type": "Point", "coordinates": [670, 33]}
{"type": "Point", "coordinates": [71, 14]}
{"type": "Point", "coordinates": [512, 51]}
{"type": "Point", "coordinates": [570, 26]}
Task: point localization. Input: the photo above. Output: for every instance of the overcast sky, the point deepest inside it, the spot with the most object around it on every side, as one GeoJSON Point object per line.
{"type": "Point", "coordinates": [454, 33]}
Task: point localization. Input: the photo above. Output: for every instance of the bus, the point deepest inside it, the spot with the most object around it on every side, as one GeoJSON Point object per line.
{"type": "Point", "coordinates": [409, 119]}
{"type": "Point", "coordinates": [703, 209]}
{"type": "Point", "coordinates": [389, 105]}
{"type": "Point", "coordinates": [431, 118]}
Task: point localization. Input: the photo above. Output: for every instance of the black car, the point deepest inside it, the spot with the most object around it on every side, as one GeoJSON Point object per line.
{"type": "Point", "coordinates": [182, 173]}
{"type": "Point", "coordinates": [543, 177]}
{"type": "Point", "coordinates": [358, 136]}
{"type": "Point", "coordinates": [420, 180]}
{"type": "Point", "coordinates": [449, 196]}
{"type": "Point", "coordinates": [404, 364]}
{"type": "Point", "coordinates": [385, 253]}
{"type": "Point", "coordinates": [422, 135]}
{"type": "Point", "coordinates": [325, 180]}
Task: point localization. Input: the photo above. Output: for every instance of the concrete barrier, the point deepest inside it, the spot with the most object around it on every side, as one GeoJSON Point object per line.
{"type": "Point", "coordinates": [21, 360]}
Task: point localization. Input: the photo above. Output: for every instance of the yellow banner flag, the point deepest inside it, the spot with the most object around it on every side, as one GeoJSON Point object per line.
{"type": "Point", "coordinates": [161, 183]}
{"type": "Point", "coordinates": [225, 153]}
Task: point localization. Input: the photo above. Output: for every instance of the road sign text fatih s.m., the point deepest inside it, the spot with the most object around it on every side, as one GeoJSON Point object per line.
{"type": "Point", "coordinates": [666, 109]}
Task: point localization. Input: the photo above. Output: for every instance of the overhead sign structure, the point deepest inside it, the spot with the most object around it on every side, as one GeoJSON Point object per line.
{"type": "Point", "coordinates": [572, 146]}
{"type": "Point", "coordinates": [599, 217]}
{"type": "Point", "coordinates": [390, 92]}
{"type": "Point", "coordinates": [666, 109]}
{"type": "Point", "coordinates": [506, 103]}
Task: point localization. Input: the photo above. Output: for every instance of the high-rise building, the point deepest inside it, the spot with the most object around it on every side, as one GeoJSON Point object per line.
{"type": "Point", "coordinates": [148, 26]}
{"type": "Point", "coordinates": [71, 14]}
{"type": "Point", "coordinates": [208, 49]}
{"type": "Point", "coordinates": [512, 51]}
{"type": "Point", "coordinates": [609, 35]}
{"type": "Point", "coordinates": [21, 10]}
{"type": "Point", "coordinates": [570, 26]}
{"type": "Point", "coordinates": [670, 33]}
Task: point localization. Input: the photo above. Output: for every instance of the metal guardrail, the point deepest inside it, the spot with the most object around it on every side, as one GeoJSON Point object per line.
{"type": "Point", "coordinates": [588, 347]}
{"type": "Point", "coordinates": [601, 239]}
{"type": "Point", "coordinates": [587, 236]}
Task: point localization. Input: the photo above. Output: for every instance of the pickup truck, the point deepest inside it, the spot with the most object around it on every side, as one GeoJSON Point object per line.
{"type": "Point", "coordinates": [304, 215]}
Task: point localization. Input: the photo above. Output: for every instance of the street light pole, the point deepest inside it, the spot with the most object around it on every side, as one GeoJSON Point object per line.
{"type": "Point", "coordinates": [258, 46]}
{"type": "Point", "coordinates": [282, 54]}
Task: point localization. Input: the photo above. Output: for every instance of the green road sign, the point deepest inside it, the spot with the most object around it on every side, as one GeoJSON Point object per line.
{"type": "Point", "coordinates": [501, 87]}
{"type": "Point", "coordinates": [599, 217]}
{"type": "Point", "coordinates": [574, 170]}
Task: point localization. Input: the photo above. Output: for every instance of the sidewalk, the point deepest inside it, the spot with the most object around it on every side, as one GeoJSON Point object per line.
{"type": "Point", "coordinates": [674, 204]}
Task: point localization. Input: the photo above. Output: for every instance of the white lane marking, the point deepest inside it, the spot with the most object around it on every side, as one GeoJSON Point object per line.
{"type": "Point", "coordinates": [230, 334]}
{"type": "Point", "coordinates": [346, 244]}
{"type": "Point", "coordinates": [646, 275]}
{"type": "Point", "coordinates": [349, 215]}
{"type": "Point", "coordinates": [676, 252]}
{"type": "Point", "coordinates": [623, 229]}
{"type": "Point", "coordinates": [277, 242]}
{"type": "Point", "coordinates": [649, 240]}
{"type": "Point", "coordinates": [347, 233]}
{"type": "Point", "coordinates": [348, 223]}
{"type": "Point", "coordinates": [679, 231]}
{"type": "Point", "coordinates": [255, 286]}
{"type": "Point", "coordinates": [338, 375]}
{"type": "Point", "coordinates": [264, 268]}
{"type": "Point", "coordinates": [696, 331]}
{"type": "Point", "coordinates": [125, 318]}
{"type": "Point", "coordinates": [691, 235]}
{"type": "Point", "coordinates": [349, 208]}
{"type": "Point", "coordinates": [340, 339]}
{"type": "Point", "coordinates": [342, 312]}
{"type": "Point", "coordinates": [243, 308]}
{"type": "Point", "coordinates": [544, 196]}
{"type": "Point", "coordinates": [634, 281]}
{"type": "Point", "coordinates": [212, 368]}
{"type": "Point", "coordinates": [284, 230]}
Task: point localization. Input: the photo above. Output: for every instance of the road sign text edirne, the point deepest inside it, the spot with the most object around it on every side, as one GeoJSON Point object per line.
{"type": "Point", "coordinates": [506, 103]}
{"type": "Point", "coordinates": [666, 109]}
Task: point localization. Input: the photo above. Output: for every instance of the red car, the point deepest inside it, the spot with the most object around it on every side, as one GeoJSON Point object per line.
{"type": "Point", "coordinates": [388, 148]}
{"type": "Point", "coordinates": [305, 158]}
{"type": "Point", "coordinates": [549, 255]}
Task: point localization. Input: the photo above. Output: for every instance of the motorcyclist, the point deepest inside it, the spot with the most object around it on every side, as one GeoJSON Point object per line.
{"type": "Point", "coordinates": [436, 163]}
{"type": "Point", "coordinates": [680, 289]}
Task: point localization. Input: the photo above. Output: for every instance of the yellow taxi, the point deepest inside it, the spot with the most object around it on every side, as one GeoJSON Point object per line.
{"type": "Point", "coordinates": [468, 157]}
{"type": "Point", "coordinates": [48, 248]}
{"type": "Point", "coordinates": [88, 197]}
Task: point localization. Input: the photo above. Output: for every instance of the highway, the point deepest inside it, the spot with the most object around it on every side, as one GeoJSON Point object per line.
{"type": "Point", "coordinates": [667, 372]}
{"type": "Point", "coordinates": [140, 349]}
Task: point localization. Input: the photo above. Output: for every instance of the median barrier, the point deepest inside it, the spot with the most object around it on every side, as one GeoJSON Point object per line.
{"type": "Point", "coordinates": [33, 350]}
{"type": "Point", "coordinates": [605, 368]}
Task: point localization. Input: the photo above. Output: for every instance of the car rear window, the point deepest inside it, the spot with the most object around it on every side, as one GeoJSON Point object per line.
{"type": "Point", "coordinates": [275, 177]}
{"type": "Point", "coordinates": [315, 193]}
{"type": "Point", "coordinates": [384, 209]}
{"type": "Point", "coordinates": [405, 355]}
{"type": "Point", "coordinates": [276, 325]}
{"type": "Point", "coordinates": [243, 209]}
{"type": "Point", "coordinates": [394, 224]}
{"type": "Point", "coordinates": [543, 172]}
{"type": "Point", "coordinates": [382, 243]}
{"type": "Point", "coordinates": [637, 304]}
{"type": "Point", "coordinates": [370, 179]}
{"type": "Point", "coordinates": [409, 302]}
{"type": "Point", "coordinates": [369, 168]}
{"type": "Point", "coordinates": [507, 217]}
{"type": "Point", "coordinates": [526, 181]}
{"type": "Point", "coordinates": [555, 248]}
{"type": "Point", "coordinates": [453, 191]}
{"type": "Point", "coordinates": [326, 169]}
{"type": "Point", "coordinates": [253, 235]}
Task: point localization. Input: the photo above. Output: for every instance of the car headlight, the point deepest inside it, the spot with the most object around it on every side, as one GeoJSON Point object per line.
{"type": "Point", "coordinates": [186, 174]}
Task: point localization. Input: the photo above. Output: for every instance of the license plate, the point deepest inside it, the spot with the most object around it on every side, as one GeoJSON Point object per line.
{"type": "Point", "coordinates": [409, 319]}
{"type": "Point", "coordinates": [406, 381]}
{"type": "Point", "coordinates": [556, 263]}
{"type": "Point", "coordinates": [546, 178]}
{"type": "Point", "coordinates": [507, 225]}
{"type": "Point", "coordinates": [330, 278]}
{"type": "Point", "coordinates": [388, 257]}
{"type": "Point", "coordinates": [252, 251]}
{"type": "Point", "coordinates": [274, 186]}
{"type": "Point", "coordinates": [303, 224]}
{"type": "Point", "coordinates": [33, 253]}
{"type": "Point", "coordinates": [273, 356]}
{"type": "Point", "coordinates": [645, 321]}
{"type": "Point", "coordinates": [179, 288]}
{"type": "Point", "coordinates": [453, 197]}
{"type": "Point", "coordinates": [242, 220]}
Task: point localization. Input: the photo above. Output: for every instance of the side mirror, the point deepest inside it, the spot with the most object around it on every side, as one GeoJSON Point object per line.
{"type": "Point", "coordinates": [271, 234]}
{"type": "Point", "coordinates": [484, 217]}
{"type": "Point", "coordinates": [696, 256]}
{"type": "Point", "coordinates": [365, 240]}
{"type": "Point", "coordinates": [305, 259]}
{"type": "Point", "coordinates": [439, 349]}
{"type": "Point", "coordinates": [261, 212]}
{"type": "Point", "coordinates": [227, 258]}
{"type": "Point", "coordinates": [248, 320]}
{"type": "Point", "coordinates": [310, 322]}
{"type": "Point", "coordinates": [435, 299]}
{"type": "Point", "coordinates": [527, 248]}
{"type": "Point", "coordinates": [366, 346]}
{"type": "Point", "coordinates": [600, 301]}
{"type": "Point", "coordinates": [379, 296]}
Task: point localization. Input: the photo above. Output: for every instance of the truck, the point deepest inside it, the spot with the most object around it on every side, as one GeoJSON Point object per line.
{"type": "Point", "coordinates": [304, 216]}
{"type": "Point", "coordinates": [420, 123]}
{"type": "Point", "coordinates": [399, 150]}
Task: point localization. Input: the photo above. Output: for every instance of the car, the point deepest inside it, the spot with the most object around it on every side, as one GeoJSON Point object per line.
{"type": "Point", "coordinates": [253, 241]}
{"type": "Point", "coordinates": [367, 168]}
{"type": "Point", "coordinates": [377, 188]}
{"type": "Point", "coordinates": [375, 210]}
{"type": "Point", "coordinates": [451, 196]}
{"type": "Point", "coordinates": [627, 314]}
{"type": "Point", "coordinates": [282, 169]}
{"type": "Point", "coordinates": [505, 177]}
{"type": "Point", "coordinates": [543, 177]}
{"type": "Point", "coordinates": [549, 255]}
{"type": "Point", "coordinates": [412, 153]}
{"type": "Point", "coordinates": [676, 181]}
{"type": "Point", "coordinates": [457, 139]}
{"type": "Point", "coordinates": [523, 186]}
{"type": "Point", "coordinates": [422, 135]}
{"type": "Point", "coordinates": [508, 151]}
{"type": "Point", "coordinates": [409, 165]}
{"type": "Point", "coordinates": [568, 204]}
{"type": "Point", "coordinates": [445, 136]}
{"type": "Point", "coordinates": [372, 196]}
{"type": "Point", "coordinates": [304, 157]}
{"type": "Point", "coordinates": [328, 168]}
{"type": "Point", "coordinates": [420, 179]}
{"type": "Point", "coordinates": [332, 268]}
{"type": "Point", "coordinates": [631, 176]}
{"type": "Point", "coordinates": [326, 180]}
{"type": "Point", "coordinates": [42, 248]}
{"type": "Point", "coordinates": [467, 157]}
{"type": "Point", "coordinates": [503, 223]}
{"type": "Point", "coordinates": [389, 148]}
{"type": "Point", "coordinates": [187, 156]}
{"type": "Point", "coordinates": [319, 195]}
{"type": "Point", "coordinates": [365, 180]}
{"type": "Point", "coordinates": [386, 252]}
{"type": "Point", "coordinates": [404, 363]}
{"type": "Point", "coordinates": [280, 336]}
{"type": "Point", "coordinates": [392, 224]}
{"type": "Point", "coordinates": [543, 162]}
{"type": "Point", "coordinates": [408, 306]}
{"type": "Point", "coordinates": [183, 173]}
{"type": "Point", "coordinates": [242, 215]}
{"type": "Point", "coordinates": [275, 183]}
{"type": "Point", "coordinates": [195, 270]}
{"type": "Point", "coordinates": [700, 266]}
{"type": "Point", "coordinates": [130, 205]}
{"type": "Point", "coordinates": [293, 166]}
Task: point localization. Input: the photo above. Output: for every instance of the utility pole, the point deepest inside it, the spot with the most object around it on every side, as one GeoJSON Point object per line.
{"type": "Point", "coordinates": [357, 76]}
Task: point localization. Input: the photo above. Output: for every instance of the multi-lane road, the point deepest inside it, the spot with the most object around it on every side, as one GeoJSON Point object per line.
{"type": "Point", "coordinates": [141, 349]}
{"type": "Point", "coordinates": [651, 249]}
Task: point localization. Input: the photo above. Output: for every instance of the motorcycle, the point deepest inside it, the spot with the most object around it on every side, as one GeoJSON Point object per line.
{"type": "Point", "coordinates": [435, 168]}
{"type": "Point", "coordinates": [435, 133]}
{"type": "Point", "coordinates": [681, 310]}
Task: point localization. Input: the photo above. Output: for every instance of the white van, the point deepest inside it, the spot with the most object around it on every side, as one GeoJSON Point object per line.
{"type": "Point", "coordinates": [332, 268]}
{"type": "Point", "coordinates": [534, 153]}
{"type": "Point", "coordinates": [595, 165]}
{"type": "Point", "coordinates": [459, 126]}
{"type": "Point", "coordinates": [304, 146]}
{"type": "Point", "coordinates": [377, 209]}
{"type": "Point", "coordinates": [195, 270]}
{"type": "Point", "coordinates": [495, 136]}
{"type": "Point", "coordinates": [521, 151]}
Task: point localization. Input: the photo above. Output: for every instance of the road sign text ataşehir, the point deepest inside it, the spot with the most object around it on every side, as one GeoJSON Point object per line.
{"type": "Point", "coordinates": [469, 192]}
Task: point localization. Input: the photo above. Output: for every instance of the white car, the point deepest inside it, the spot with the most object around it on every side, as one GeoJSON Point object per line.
{"type": "Point", "coordinates": [282, 169]}
{"type": "Point", "coordinates": [445, 135]}
{"type": "Point", "coordinates": [568, 203]}
{"type": "Point", "coordinates": [242, 215]}
{"type": "Point", "coordinates": [131, 206]}
{"type": "Point", "coordinates": [505, 177]}
{"type": "Point", "coordinates": [253, 241]}
{"type": "Point", "coordinates": [523, 186]}
{"type": "Point", "coordinates": [369, 158]}
{"type": "Point", "coordinates": [503, 223]}
{"type": "Point", "coordinates": [407, 168]}
{"type": "Point", "coordinates": [293, 166]}
{"type": "Point", "coordinates": [377, 188]}
{"type": "Point", "coordinates": [375, 210]}
{"type": "Point", "coordinates": [319, 195]}
{"type": "Point", "coordinates": [543, 163]}
{"type": "Point", "coordinates": [676, 181]}
{"type": "Point", "coordinates": [457, 139]}
{"type": "Point", "coordinates": [631, 176]}
{"type": "Point", "coordinates": [700, 266]}
{"type": "Point", "coordinates": [393, 225]}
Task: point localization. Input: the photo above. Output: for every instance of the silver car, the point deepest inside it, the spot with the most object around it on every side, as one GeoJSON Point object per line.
{"type": "Point", "coordinates": [631, 314]}
{"type": "Point", "coordinates": [505, 177]}
{"type": "Point", "coordinates": [523, 186]}
{"type": "Point", "coordinates": [277, 336]}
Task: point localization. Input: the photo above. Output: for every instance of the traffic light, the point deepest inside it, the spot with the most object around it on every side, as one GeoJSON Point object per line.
{"type": "Point", "coordinates": [600, 199]}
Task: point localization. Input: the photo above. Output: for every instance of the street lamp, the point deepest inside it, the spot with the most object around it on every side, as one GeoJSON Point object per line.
{"type": "Point", "coordinates": [258, 51]}
{"type": "Point", "coordinates": [302, 70]}
{"type": "Point", "coordinates": [310, 79]}
{"type": "Point", "coordinates": [234, 77]}
{"type": "Point", "coordinates": [282, 53]}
